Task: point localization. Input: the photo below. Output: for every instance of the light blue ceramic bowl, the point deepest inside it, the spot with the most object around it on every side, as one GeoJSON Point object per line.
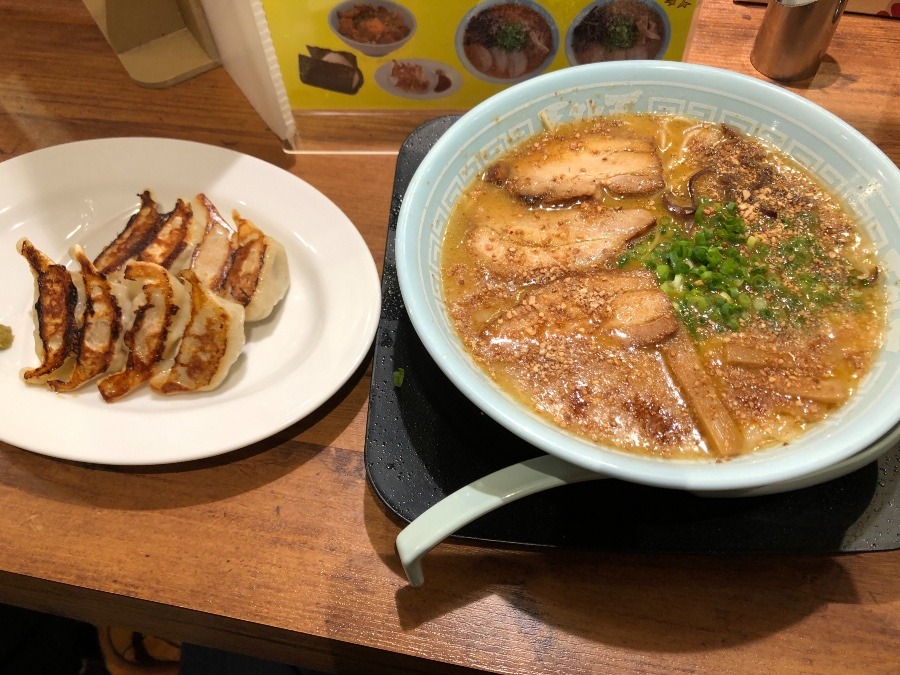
{"type": "Point", "coordinates": [843, 158]}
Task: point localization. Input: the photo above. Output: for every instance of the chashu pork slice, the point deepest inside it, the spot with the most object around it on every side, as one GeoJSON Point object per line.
{"type": "Point", "coordinates": [641, 317]}
{"type": "Point", "coordinates": [100, 347]}
{"type": "Point", "coordinates": [212, 342]}
{"type": "Point", "coordinates": [620, 163]}
{"type": "Point", "coordinates": [258, 277]}
{"type": "Point", "coordinates": [140, 230]}
{"type": "Point", "coordinates": [560, 348]}
{"type": "Point", "coordinates": [617, 304]}
{"type": "Point", "coordinates": [517, 245]}
{"type": "Point", "coordinates": [56, 309]}
{"type": "Point", "coordinates": [604, 352]}
{"type": "Point", "coordinates": [161, 309]}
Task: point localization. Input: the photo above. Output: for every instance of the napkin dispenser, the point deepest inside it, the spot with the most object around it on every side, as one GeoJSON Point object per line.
{"type": "Point", "coordinates": [160, 42]}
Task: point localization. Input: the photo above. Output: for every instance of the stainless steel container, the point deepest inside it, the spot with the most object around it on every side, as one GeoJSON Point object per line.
{"type": "Point", "coordinates": [794, 36]}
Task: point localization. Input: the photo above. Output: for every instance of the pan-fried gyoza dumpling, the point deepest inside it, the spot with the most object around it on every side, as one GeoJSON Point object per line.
{"type": "Point", "coordinates": [56, 309]}
{"type": "Point", "coordinates": [211, 343]}
{"type": "Point", "coordinates": [174, 242]}
{"type": "Point", "coordinates": [258, 277]}
{"type": "Point", "coordinates": [162, 308]}
{"type": "Point", "coordinates": [128, 244]}
{"type": "Point", "coordinates": [213, 255]}
{"type": "Point", "coordinates": [100, 347]}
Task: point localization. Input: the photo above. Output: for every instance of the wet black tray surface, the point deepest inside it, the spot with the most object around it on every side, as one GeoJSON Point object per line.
{"type": "Point", "coordinates": [424, 440]}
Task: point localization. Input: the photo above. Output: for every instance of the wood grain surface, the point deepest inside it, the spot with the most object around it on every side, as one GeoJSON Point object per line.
{"type": "Point", "coordinates": [282, 550]}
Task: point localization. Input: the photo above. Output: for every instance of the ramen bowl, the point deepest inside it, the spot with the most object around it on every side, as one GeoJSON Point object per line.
{"type": "Point", "coordinates": [855, 170]}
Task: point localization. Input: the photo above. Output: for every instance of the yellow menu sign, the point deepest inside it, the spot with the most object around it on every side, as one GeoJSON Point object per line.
{"type": "Point", "coordinates": [427, 54]}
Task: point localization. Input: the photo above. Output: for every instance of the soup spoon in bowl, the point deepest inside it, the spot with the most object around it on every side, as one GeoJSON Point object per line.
{"type": "Point", "coordinates": [544, 472]}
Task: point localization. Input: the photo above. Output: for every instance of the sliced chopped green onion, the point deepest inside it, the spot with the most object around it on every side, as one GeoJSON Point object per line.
{"type": "Point", "coordinates": [719, 272]}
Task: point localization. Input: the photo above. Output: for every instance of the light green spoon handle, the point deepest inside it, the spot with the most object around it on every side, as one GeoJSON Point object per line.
{"type": "Point", "coordinates": [474, 500]}
{"type": "Point", "coordinates": [547, 471]}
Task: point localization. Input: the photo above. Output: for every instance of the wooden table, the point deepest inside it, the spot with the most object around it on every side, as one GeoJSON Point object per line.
{"type": "Point", "coordinates": [283, 550]}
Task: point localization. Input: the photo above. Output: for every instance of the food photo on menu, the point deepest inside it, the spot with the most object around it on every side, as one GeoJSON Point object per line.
{"type": "Point", "coordinates": [508, 41]}
{"type": "Point", "coordinates": [354, 55]}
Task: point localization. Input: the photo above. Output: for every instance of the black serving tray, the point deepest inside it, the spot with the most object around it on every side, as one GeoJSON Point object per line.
{"type": "Point", "coordinates": [424, 440]}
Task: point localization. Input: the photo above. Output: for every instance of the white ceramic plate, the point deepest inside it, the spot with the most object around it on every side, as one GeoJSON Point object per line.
{"type": "Point", "coordinates": [429, 71]}
{"type": "Point", "coordinates": [294, 360]}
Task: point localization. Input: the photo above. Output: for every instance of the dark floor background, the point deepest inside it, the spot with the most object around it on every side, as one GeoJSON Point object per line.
{"type": "Point", "coordinates": [35, 643]}
{"type": "Point", "coordinates": [43, 644]}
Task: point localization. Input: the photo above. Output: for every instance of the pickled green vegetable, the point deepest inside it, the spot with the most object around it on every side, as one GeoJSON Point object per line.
{"type": "Point", "coordinates": [6, 337]}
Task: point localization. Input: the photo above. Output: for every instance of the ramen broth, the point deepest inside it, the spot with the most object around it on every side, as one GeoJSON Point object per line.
{"type": "Point", "coordinates": [709, 300]}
